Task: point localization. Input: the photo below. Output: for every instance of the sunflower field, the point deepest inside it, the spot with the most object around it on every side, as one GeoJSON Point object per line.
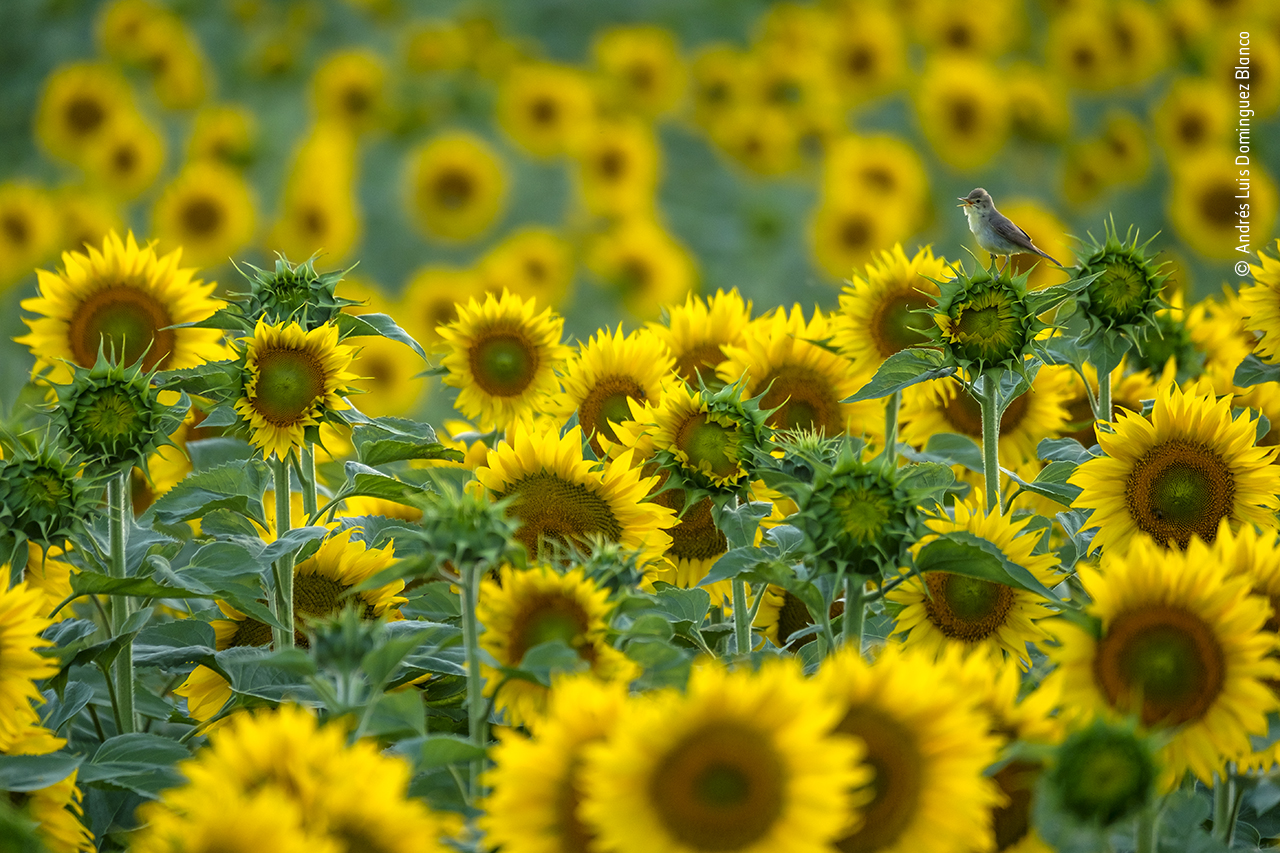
{"type": "Point", "coordinates": [667, 426]}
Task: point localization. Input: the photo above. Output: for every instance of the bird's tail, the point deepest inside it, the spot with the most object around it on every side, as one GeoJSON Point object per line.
{"type": "Point", "coordinates": [1043, 255]}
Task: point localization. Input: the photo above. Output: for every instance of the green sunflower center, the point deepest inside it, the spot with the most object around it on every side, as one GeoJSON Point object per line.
{"type": "Point", "coordinates": [720, 788]}
{"type": "Point", "coordinates": [503, 363]}
{"type": "Point", "coordinates": [290, 382]}
{"type": "Point", "coordinates": [986, 328]}
{"type": "Point", "coordinates": [1103, 775]}
{"type": "Point", "coordinates": [1180, 489]}
{"type": "Point", "coordinates": [551, 507]}
{"type": "Point", "coordinates": [803, 399]}
{"type": "Point", "coordinates": [967, 609]}
{"type": "Point", "coordinates": [893, 751]}
{"type": "Point", "coordinates": [543, 619]}
{"type": "Point", "coordinates": [710, 445]}
{"type": "Point", "coordinates": [124, 321]}
{"type": "Point", "coordinates": [106, 418]}
{"type": "Point", "coordinates": [46, 491]}
{"type": "Point", "coordinates": [863, 513]}
{"type": "Point", "coordinates": [1164, 657]}
{"type": "Point", "coordinates": [1119, 294]}
{"type": "Point", "coordinates": [606, 402]}
{"type": "Point", "coordinates": [895, 325]}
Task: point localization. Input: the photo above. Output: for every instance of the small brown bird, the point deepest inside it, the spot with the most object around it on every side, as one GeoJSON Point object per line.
{"type": "Point", "coordinates": [996, 233]}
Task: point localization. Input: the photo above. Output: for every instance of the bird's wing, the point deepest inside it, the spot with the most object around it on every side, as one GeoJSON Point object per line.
{"type": "Point", "coordinates": [1006, 229]}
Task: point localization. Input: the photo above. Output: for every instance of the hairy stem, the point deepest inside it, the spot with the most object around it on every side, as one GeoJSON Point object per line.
{"type": "Point", "coordinates": [741, 618]}
{"type": "Point", "coordinates": [892, 406]}
{"type": "Point", "coordinates": [855, 612]}
{"type": "Point", "coordinates": [989, 400]}
{"type": "Point", "coordinates": [283, 610]}
{"type": "Point", "coordinates": [118, 512]}
{"type": "Point", "coordinates": [476, 709]}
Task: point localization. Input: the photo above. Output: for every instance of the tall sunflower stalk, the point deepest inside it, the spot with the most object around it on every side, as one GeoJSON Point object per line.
{"type": "Point", "coordinates": [119, 510]}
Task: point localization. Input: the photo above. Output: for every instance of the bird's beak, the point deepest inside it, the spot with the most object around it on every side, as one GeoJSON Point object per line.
{"type": "Point", "coordinates": [964, 202]}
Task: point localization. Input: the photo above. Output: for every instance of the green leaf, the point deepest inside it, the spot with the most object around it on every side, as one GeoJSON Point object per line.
{"type": "Point", "coordinates": [275, 676]}
{"type": "Point", "coordinates": [903, 369]}
{"type": "Point", "coordinates": [1051, 482]}
{"type": "Point", "coordinates": [141, 763]}
{"type": "Point", "coordinates": [58, 711]}
{"type": "Point", "coordinates": [370, 482]}
{"type": "Point", "coordinates": [1064, 450]}
{"type": "Point", "coordinates": [367, 325]}
{"type": "Point", "coordinates": [22, 773]}
{"type": "Point", "coordinates": [214, 379]}
{"type": "Point", "coordinates": [683, 605]}
{"type": "Point", "coordinates": [948, 448]}
{"type": "Point", "coordinates": [739, 523]}
{"type": "Point", "coordinates": [1045, 299]}
{"type": "Point", "coordinates": [379, 664]}
{"type": "Point", "coordinates": [396, 450]}
{"type": "Point", "coordinates": [397, 715]}
{"type": "Point", "coordinates": [547, 659]}
{"type": "Point", "coordinates": [235, 486]}
{"type": "Point", "coordinates": [733, 563]}
{"type": "Point", "coordinates": [1106, 350]}
{"type": "Point", "coordinates": [94, 583]}
{"type": "Point", "coordinates": [962, 553]}
{"type": "Point", "coordinates": [175, 645]}
{"type": "Point", "coordinates": [210, 453]}
{"type": "Point", "coordinates": [443, 750]}
{"type": "Point", "coordinates": [1254, 371]}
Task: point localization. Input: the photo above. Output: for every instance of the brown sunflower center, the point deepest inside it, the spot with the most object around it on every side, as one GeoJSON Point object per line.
{"type": "Point", "coordinates": [701, 358]}
{"type": "Point", "coordinates": [124, 159]}
{"type": "Point", "coordinates": [290, 381]}
{"type": "Point", "coordinates": [803, 399]}
{"type": "Point", "coordinates": [642, 76]}
{"type": "Point", "coordinates": [316, 595]}
{"type": "Point", "coordinates": [695, 536]}
{"type": "Point", "coordinates": [1180, 489]}
{"type": "Point", "coordinates": [1191, 129]}
{"type": "Point", "coordinates": [893, 751]}
{"type": "Point", "coordinates": [17, 230]}
{"type": "Point", "coordinates": [855, 231]}
{"type": "Point", "coordinates": [859, 61]}
{"type": "Point", "coordinates": [356, 101]}
{"type": "Point", "coordinates": [574, 836]}
{"type": "Point", "coordinates": [544, 618]}
{"type": "Point", "coordinates": [967, 609]}
{"type": "Point", "coordinates": [963, 114]}
{"type": "Point", "coordinates": [1218, 206]}
{"type": "Point", "coordinates": [1012, 821]}
{"type": "Point", "coordinates": [124, 320]}
{"type": "Point", "coordinates": [544, 111]}
{"type": "Point", "coordinates": [612, 164]}
{"type": "Point", "coordinates": [551, 507]}
{"type": "Point", "coordinates": [250, 632]}
{"type": "Point", "coordinates": [535, 270]}
{"type": "Point", "coordinates": [605, 402]}
{"type": "Point", "coordinates": [201, 216]}
{"type": "Point", "coordinates": [503, 363]}
{"type": "Point", "coordinates": [1164, 657]}
{"type": "Point", "coordinates": [314, 220]}
{"type": "Point", "coordinates": [453, 189]}
{"type": "Point", "coordinates": [794, 616]}
{"type": "Point", "coordinates": [720, 788]}
{"type": "Point", "coordinates": [1084, 58]}
{"type": "Point", "coordinates": [895, 325]}
{"type": "Point", "coordinates": [709, 443]}
{"type": "Point", "coordinates": [84, 115]}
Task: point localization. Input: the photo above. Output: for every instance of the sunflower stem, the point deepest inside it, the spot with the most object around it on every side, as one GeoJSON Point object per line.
{"type": "Point", "coordinates": [283, 635]}
{"type": "Point", "coordinates": [1104, 398]}
{"type": "Point", "coordinates": [855, 612]}
{"type": "Point", "coordinates": [1224, 801]}
{"type": "Point", "coordinates": [307, 475]}
{"type": "Point", "coordinates": [1146, 833]}
{"type": "Point", "coordinates": [989, 400]}
{"type": "Point", "coordinates": [892, 406]}
{"type": "Point", "coordinates": [476, 716]}
{"type": "Point", "coordinates": [741, 618]}
{"type": "Point", "coordinates": [118, 513]}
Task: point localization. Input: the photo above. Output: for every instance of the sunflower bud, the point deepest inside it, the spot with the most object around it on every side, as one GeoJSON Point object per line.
{"type": "Point", "coordinates": [1125, 295]}
{"type": "Point", "coordinates": [984, 321]}
{"type": "Point", "coordinates": [294, 293]}
{"type": "Point", "coordinates": [1101, 775]}
{"type": "Point", "coordinates": [41, 497]}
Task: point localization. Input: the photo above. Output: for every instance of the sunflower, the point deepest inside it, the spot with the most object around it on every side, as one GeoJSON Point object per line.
{"type": "Point", "coordinates": [645, 265]}
{"type": "Point", "coordinates": [208, 210]}
{"type": "Point", "coordinates": [605, 374]}
{"type": "Point", "coordinates": [322, 586]}
{"type": "Point", "coordinates": [86, 218]}
{"type": "Point", "coordinates": [882, 167]}
{"type": "Point", "coordinates": [293, 379]}
{"type": "Point", "coordinates": [536, 263]}
{"type": "Point", "coordinates": [51, 575]}
{"type": "Point", "coordinates": [1264, 87]}
{"type": "Point", "coordinates": [318, 207]}
{"type": "Point", "coordinates": [126, 299]}
{"type": "Point", "coordinates": [120, 25]}
{"type": "Point", "coordinates": [797, 87]}
{"type": "Point", "coordinates": [1178, 474]}
{"type": "Point", "coordinates": [1204, 208]}
{"type": "Point", "coordinates": [740, 761]}
{"type": "Point", "coordinates": [962, 29]}
{"type": "Point", "coordinates": [1261, 304]}
{"type": "Point", "coordinates": [558, 495]}
{"type": "Point", "coordinates": [963, 111]}
{"type": "Point", "coordinates": [711, 441]}
{"type": "Point", "coordinates": [1080, 51]}
{"type": "Point", "coordinates": [128, 158]}
{"type": "Point", "coordinates": [225, 134]}
{"type": "Point", "coordinates": [180, 72]}
{"type": "Point", "coordinates": [503, 356]}
{"type": "Point", "coordinates": [868, 56]}
{"type": "Point", "coordinates": [435, 46]}
{"type": "Point", "coordinates": [845, 234]}
{"type": "Point", "coordinates": [266, 819]}
{"type": "Point", "coordinates": [1141, 42]}
{"type": "Point", "coordinates": [22, 609]}
{"type": "Point", "coordinates": [1195, 116]}
{"type": "Point", "coordinates": [642, 68]}
{"type": "Point", "coordinates": [431, 297]}
{"type": "Point", "coordinates": [718, 82]}
{"type": "Point", "coordinates": [763, 140]}
{"type": "Point", "coordinates": [29, 229]}
{"type": "Point", "coordinates": [524, 608]}
{"type": "Point", "coordinates": [877, 310]}
{"type": "Point", "coordinates": [696, 331]}
{"type": "Point", "coordinates": [943, 405]}
{"type": "Point", "coordinates": [349, 88]}
{"type": "Point", "coordinates": [802, 383]}
{"type": "Point", "coordinates": [1124, 141]}
{"type": "Point", "coordinates": [941, 609]}
{"type": "Point", "coordinates": [537, 782]}
{"type": "Point", "coordinates": [457, 186]}
{"type": "Point", "coordinates": [544, 108]}
{"type": "Point", "coordinates": [1084, 172]}
{"type": "Point", "coordinates": [56, 809]}
{"type": "Point", "coordinates": [929, 749]}
{"type": "Point", "coordinates": [1039, 106]}
{"type": "Point", "coordinates": [388, 376]}
{"type": "Point", "coordinates": [1181, 645]}
{"type": "Point", "coordinates": [1218, 329]}
{"type": "Point", "coordinates": [79, 103]}
{"type": "Point", "coordinates": [619, 165]}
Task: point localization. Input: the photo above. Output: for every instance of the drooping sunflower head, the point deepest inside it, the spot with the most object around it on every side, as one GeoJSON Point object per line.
{"type": "Point", "coordinates": [881, 312]}
{"type": "Point", "coordinates": [1126, 293]}
{"type": "Point", "coordinates": [503, 355]}
{"type": "Point", "coordinates": [293, 380]}
{"type": "Point", "coordinates": [124, 299]}
{"type": "Point", "coordinates": [695, 332]}
{"type": "Point", "coordinates": [983, 321]}
{"type": "Point", "coordinates": [708, 439]}
{"type": "Point", "coordinates": [1178, 474]}
{"type": "Point", "coordinates": [113, 416]}
{"type": "Point", "coordinates": [1102, 774]}
{"type": "Point", "coordinates": [41, 497]}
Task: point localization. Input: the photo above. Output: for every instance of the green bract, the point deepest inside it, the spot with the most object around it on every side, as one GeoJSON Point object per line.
{"type": "Point", "coordinates": [291, 292]}
{"type": "Point", "coordinates": [41, 497]}
{"type": "Point", "coordinates": [1101, 775]}
{"type": "Point", "coordinates": [1124, 293]}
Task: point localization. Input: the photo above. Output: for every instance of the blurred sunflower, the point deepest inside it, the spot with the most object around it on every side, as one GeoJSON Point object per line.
{"type": "Point", "coordinates": [1124, 139]}
{"type": "Point", "coordinates": [1194, 117]}
{"type": "Point", "coordinates": [457, 186]}
{"type": "Point", "coordinates": [1084, 172]}
{"type": "Point", "coordinates": [431, 298]}
{"type": "Point", "coordinates": [29, 229]}
{"type": "Point", "coordinates": [22, 620]}
{"type": "Point", "coordinates": [558, 495]}
{"type": "Point", "coordinates": [226, 134]}
{"type": "Point", "coordinates": [619, 165]}
{"type": "Point", "coordinates": [537, 782]}
{"type": "Point", "coordinates": [322, 586]}
{"type": "Point", "coordinates": [544, 108]}
{"type": "Point", "coordinates": [929, 749]}
{"type": "Point", "coordinates": [1129, 388]}
{"type": "Point", "coordinates": [882, 167]}
{"type": "Point", "coordinates": [764, 141]}
{"type": "Point", "coordinates": [265, 819]}
{"type": "Point", "coordinates": [48, 572]}
{"type": "Point", "coordinates": [124, 298]}
{"type": "Point", "coordinates": [644, 264]}
{"type": "Point", "coordinates": [349, 87]}
{"type": "Point", "coordinates": [435, 45]}
{"type": "Point", "coordinates": [387, 372]}
{"type": "Point", "coordinates": [1140, 41]}
{"type": "Point", "coordinates": [80, 101]}
{"type": "Point", "coordinates": [180, 74]}
{"type": "Point", "coordinates": [741, 761]}
{"type": "Point", "coordinates": [876, 317]}
{"type": "Point", "coordinates": [642, 68]}
{"type": "Point", "coordinates": [120, 25]}
{"type": "Point", "coordinates": [86, 219]}
{"type": "Point", "coordinates": [293, 379]}
{"type": "Point", "coordinates": [799, 88]}
{"type": "Point", "coordinates": [1181, 645]}
{"type": "Point", "coordinates": [536, 263]}
{"type": "Point", "coordinates": [696, 331]}
{"type": "Point", "coordinates": [1261, 304]}
{"type": "Point", "coordinates": [208, 210]}
{"type": "Point", "coordinates": [1178, 475]}
{"type": "Point", "coordinates": [318, 205]}
{"type": "Point", "coordinates": [503, 356]}
{"type": "Point", "coordinates": [1264, 69]}
{"type": "Point", "coordinates": [718, 83]}
{"type": "Point", "coordinates": [1080, 49]}
{"type": "Point", "coordinates": [128, 158]}
{"type": "Point", "coordinates": [56, 809]}
{"type": "Point", "coordinates": [524, 608]}
{"type": "Point", "coordinates": [941, 610]}
{"type": "Point", "coordinates": [1039, 107]}
{"type": "Point", "coordinates": [803, 384]}
{"type": "Point", "coordinates": [964, 29]}
{"type": "Point", "coordinates": [845, 234]}
{"type": "Point", "coordinates": [1204, 209]}
{"type": "Point", "coordinates": [963, 111]}
{"type": "Point", "coordinates": [868, 56]}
